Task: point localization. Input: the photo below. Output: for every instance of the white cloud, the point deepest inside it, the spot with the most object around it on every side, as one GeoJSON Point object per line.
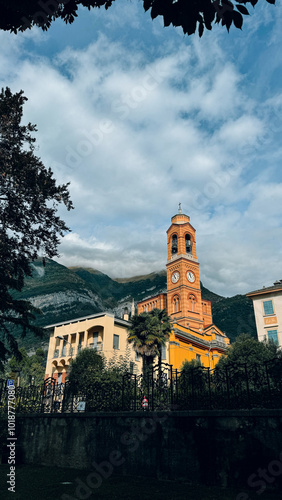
{"type": "Point", "coordinates": [135, 134]}
{"type": "Point", "coordinates": [245, 130]}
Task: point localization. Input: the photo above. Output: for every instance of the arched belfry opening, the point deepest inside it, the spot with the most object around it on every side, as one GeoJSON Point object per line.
{"type": "Point", "coordinates": [188, 243]}
{"type": "Point", "coordinates": [174, 244]}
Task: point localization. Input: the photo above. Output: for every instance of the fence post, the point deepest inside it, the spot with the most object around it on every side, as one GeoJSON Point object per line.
{"type": "Point", "coordinates": [53, 396]}
{"type": "Point", "coordinates": [171, 385]}
{"type": "Point", "coordinates": [209, 379]}
{"type": "Point", "coordinates": [72, 399]}
{"type": "Point", "coordinates": [152, 372]}
{"type": "Point", "coordinates": [176, 385]}
{"type": "Point", "coordinates": [192, 380]}
{"type": "Point", "coordinates": [41, 396]}
{"type": "Point", "coordinates": [135, 393]}
{"type": "Point", "coordinates": [64, 397]}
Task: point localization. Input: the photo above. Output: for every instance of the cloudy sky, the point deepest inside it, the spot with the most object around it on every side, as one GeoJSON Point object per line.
{"type": "Point", "coordinates": [139, 118]}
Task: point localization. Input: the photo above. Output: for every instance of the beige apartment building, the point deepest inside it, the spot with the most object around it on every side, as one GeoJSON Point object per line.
{"type": "Point", "coordinates": [267, 304]}
{"type": "Point", "coordinates": [102, 331]}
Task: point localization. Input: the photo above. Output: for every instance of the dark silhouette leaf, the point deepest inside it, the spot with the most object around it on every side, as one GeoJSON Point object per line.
{"type": "Point", "coordinates": [201, 29]}
{"type": "Point", "coordinates": [242, 9]}
{"type": "Point", "coordinates": [22, 15]}
{"type": "Point", "coordinates": [237, 19]}
{"type": "Point", "coordinates": [227, 19]}
{"type": "Point", "coordinates": [227, 6]}
{"type": "Point", "coordinates": [147, 4]}
{"type": "Point", "coordinates": [209, 15]}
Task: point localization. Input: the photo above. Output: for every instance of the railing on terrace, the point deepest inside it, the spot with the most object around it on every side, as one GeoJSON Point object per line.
{"type": "Point", "coordinates": [65, 352]}
{"type": "Point", "coordinates": [233, 386]}
{"type": "Point", "coordinates": [97, 345]}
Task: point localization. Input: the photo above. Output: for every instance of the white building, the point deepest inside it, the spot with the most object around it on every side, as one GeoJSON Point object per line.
{"type": "Point", "coordinates": [267, 304]}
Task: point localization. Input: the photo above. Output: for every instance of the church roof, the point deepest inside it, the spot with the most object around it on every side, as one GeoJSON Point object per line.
{"type": "Point", "coordinates": [149, 297]}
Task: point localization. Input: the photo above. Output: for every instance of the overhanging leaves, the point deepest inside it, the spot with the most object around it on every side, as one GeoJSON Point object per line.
{"type": "Point", "coordinates": [190, 15]}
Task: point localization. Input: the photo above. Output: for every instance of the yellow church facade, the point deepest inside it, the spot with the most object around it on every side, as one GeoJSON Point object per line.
{"type": "Point", "coordinates": [193, 335]}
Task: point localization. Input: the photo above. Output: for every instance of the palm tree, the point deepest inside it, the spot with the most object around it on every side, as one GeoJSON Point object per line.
{"type": "Point", "coordinates": [148, 334]}
{"type": "Point", "coordinates": [165, 326]}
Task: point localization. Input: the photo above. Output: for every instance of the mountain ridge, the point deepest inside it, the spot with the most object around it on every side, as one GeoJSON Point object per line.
{"type": "Point", "coordinates": [64, 293]}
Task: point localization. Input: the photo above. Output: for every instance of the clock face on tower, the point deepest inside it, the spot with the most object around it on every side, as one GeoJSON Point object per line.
{"type": "Point", "coordinates": [175, 277]}
{"type": "Point", "coordinates": [190, 276]}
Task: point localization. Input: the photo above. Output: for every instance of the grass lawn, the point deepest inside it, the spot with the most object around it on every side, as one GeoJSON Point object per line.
{"type": "Point", "coordinates": [53, 483]}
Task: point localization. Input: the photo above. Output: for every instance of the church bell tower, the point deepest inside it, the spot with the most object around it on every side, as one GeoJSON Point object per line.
{"type": "Point", "coordinates": [184, 301]}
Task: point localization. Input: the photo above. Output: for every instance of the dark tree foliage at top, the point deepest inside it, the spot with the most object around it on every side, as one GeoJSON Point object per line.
{"type": "Point", "coordinates": [191, 15]}
{"type": "Point", "coordinates": [29, 224]}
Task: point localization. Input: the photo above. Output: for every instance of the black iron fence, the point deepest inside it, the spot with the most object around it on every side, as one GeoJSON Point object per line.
{"type": "Point", "coordinates": [232, 386]}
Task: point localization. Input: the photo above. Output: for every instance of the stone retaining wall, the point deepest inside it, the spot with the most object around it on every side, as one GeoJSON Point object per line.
{"type": "Point", "coordinates": [227, 448]}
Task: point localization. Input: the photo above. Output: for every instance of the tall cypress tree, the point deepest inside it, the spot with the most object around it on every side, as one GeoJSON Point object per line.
{"type": "Point", "coordinates": [29, 224]}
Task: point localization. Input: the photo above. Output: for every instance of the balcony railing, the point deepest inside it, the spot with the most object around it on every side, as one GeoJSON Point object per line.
{"type": "Point", "coordinates": [70, 351]}
{"type": "Point", "coordinates": [97, 345]}
{"type": "Point", "coordinates": [218, 343]}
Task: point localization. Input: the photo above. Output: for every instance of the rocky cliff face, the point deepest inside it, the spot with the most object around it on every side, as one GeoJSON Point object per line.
{"type": "Point", "coordinates": [68, 301]}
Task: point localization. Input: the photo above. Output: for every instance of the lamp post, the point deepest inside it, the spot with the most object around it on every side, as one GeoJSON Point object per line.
{"type": "Point", "coordinates": [210, 354]}
{"type": "Point", "coordinates": [210, 345]}
{"type": "Point", "coordinates": [19, 371]}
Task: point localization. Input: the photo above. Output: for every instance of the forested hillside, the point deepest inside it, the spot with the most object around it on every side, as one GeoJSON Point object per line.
{"type": "Point", "coordinates": [63, 294]}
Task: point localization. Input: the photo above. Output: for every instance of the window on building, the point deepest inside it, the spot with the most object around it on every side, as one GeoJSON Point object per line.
{"type": "Point", "coordinates": [273, 336]}
{"type": "Point", "coordinates": [192, 303]}
{"type": "Point", "coordinates": [116, 342]}
{"type": "Point", "coordinates": [95, 340]}
{"type": "Point", "coordinates": [198, 358]}
{"type": "Point", "coordinates": [188, 243]}
{"type": "Point", "coordinates": [175, 304]}
{"type": "Point", "coordinates": [163, 352]}
{"type": "Point", "coordinates": [80, 340]}
{"type": "Point", "coordinates": [174, 246]}
{"type": "Point", "coordinates": [137, 356]}
{"type": "Point", "coordinates": [268, 307]}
